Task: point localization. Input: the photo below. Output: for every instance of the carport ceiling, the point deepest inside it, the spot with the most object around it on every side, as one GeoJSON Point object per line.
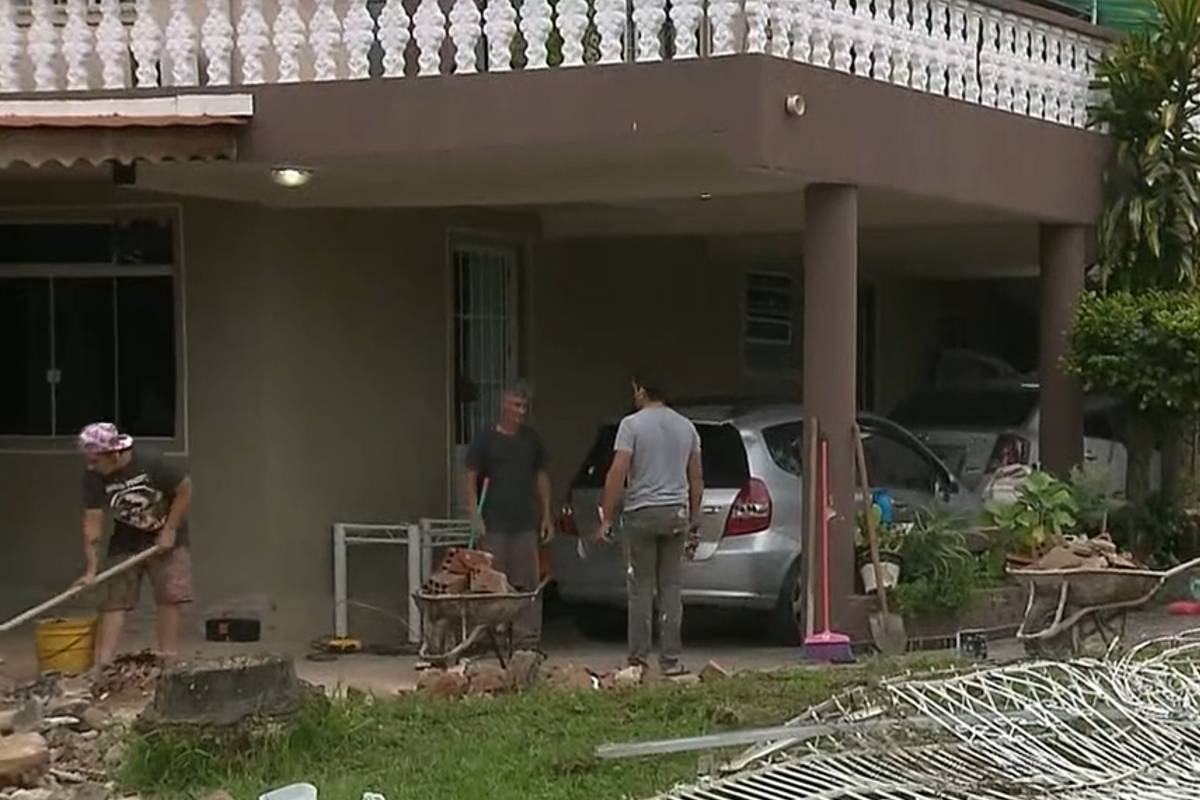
{"type": "Point", "coordinates": [777, 212]}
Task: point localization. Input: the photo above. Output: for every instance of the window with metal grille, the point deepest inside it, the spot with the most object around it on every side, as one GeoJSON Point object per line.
{"type": "Point", "coordinates": [88, 326]}
{"type": "Point", "coordinates": [768, 325]}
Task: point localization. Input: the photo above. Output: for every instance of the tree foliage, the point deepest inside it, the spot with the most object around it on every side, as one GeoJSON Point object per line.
{"type": "Point", "coordinates": [1150, 82]}
{"type": "Point", "coordinates": [1143, 348]}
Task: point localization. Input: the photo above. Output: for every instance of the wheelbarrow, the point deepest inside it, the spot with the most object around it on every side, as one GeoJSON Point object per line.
{"type": "Point", "coordinates": [451, 624]}
{"type": "Point", "coordinates": [1066, 606]}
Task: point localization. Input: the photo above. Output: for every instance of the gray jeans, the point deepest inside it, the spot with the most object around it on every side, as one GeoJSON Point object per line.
{"type": "Point", "coordinates": [516, 555]}
{"type": "Point", "coordinates": [655, 540]}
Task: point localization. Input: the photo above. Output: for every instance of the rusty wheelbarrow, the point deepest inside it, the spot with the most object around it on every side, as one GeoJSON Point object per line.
{"type": "Point", "coordinates": [453, 623]}
{"type": "Point", "coordinates": [1065, 606]}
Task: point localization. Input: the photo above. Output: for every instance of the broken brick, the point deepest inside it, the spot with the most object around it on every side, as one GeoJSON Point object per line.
{"type": "Point", "coordinates": [443, 582]}
{"type": "Point", "coordinates": [461, 561]}
{"type": "Point", "coordinates": [489, 581]}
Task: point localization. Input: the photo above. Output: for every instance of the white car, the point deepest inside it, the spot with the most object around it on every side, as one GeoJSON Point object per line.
{"type": "Point", "coordinates": [977, 430]}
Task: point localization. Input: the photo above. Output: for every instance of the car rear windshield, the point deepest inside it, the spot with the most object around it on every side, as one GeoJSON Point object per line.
{"type": "Point", "coordinates": [722, 455]}
{"type": "Point", "coordinates": [785, 444]}
{"type": "Point", "coordinates": [967, 408]}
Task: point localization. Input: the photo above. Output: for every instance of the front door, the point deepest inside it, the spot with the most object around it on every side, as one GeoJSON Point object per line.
{"type": "Point", "coordinates": [484, 286]}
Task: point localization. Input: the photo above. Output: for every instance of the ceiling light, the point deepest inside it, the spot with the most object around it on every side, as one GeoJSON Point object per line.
{"type": "Point", "coordinates": [705, 196]}
{"type": "Point", "coordinates": [291, 177]}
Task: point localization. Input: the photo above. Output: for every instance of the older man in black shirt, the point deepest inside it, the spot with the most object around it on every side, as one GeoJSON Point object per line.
{"type": "Point", "coordinates": [516, 511]}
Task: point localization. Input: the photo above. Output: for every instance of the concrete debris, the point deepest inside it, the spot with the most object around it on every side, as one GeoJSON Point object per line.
{"type": "Point", "coordinates": [134, 674]}
{"type": "Point", "coordinates": [571, 678]}
{"type": "Point", "coordinates": [25, 718]}
{"type": "Point", "coordinates": [442, 685]}
{"type": "Point", "coordinates": [24, 759]}
{"type": "Point", "coordinates": [685, 680]}
{"type": "Point", "coordinates": [92, 791]}
{"type": "Point", "coordinates": [487, 679]}
{"type": "Point", "coordinates": [62, 776]}
{"type": "Point", "coordinates": [1099, 552]}
{"type": "Point", "coordinates": [627, 678]}
{"type": "Point", "coordinates": [524, 669]}
{"type": "Point", "coordinates": [95, 719]}
{"type": "Point", "coordinates": [30, 794]}
{"type": "Point", "coordinates": [713, 672]}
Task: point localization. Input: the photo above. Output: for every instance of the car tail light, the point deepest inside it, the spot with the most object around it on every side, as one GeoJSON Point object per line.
{"type": "Point", "coordinates": [751, 512]}
{"type": "Point", "coordinates": [1009, 450]}
{"type": "Point", "coordinates": [565, 522]}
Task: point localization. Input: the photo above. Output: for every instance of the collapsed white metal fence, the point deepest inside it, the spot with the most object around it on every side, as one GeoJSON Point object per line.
{"type": "Point", "coordinates": [1122, 726]}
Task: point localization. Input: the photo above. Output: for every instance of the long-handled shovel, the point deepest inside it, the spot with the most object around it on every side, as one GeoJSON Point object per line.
{"type": "Point", "coordinates": [63, 597]}
{"type": "Point", "coordinates": [887, 628]}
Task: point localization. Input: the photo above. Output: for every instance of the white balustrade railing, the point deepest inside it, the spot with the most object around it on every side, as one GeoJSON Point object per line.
{"type": "Point", "coordinates": [957, 48]}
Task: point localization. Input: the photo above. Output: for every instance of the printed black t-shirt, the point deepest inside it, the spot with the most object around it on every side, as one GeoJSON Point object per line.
{"type": "Point", "coordinates": [139, 498]}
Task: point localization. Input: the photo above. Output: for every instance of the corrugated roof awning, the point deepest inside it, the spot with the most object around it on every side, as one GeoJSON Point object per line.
{"type": "Point", "coordinates": [184, 128]}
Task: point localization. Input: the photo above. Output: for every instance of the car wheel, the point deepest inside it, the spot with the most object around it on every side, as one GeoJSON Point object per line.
{"type": "Point", "coordinates": [600, 622]}
{"type": "Point", "coordinates": [787, 620]}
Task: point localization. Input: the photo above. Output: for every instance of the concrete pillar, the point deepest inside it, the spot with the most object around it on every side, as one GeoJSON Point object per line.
{"type": "Point", "coordinates": [830, 351]}
{"type": "Point", "coordinates": [1062, 257]}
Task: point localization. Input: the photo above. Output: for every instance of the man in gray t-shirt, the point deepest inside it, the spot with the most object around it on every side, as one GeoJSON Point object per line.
{"type": "Point", "coordinates": [656, 460]}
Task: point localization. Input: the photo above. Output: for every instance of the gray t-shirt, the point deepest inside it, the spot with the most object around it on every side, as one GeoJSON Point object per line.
{"type": "Point", "coordinates": [661, 441]}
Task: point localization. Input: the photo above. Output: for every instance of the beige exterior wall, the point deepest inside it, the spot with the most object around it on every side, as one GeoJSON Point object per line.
{"type": "Point", "coordinates": [317, 389]}
{"type": "Point", "coordinates": [605, 308]}
{"type": "Point", "coordinates": [316, 393]}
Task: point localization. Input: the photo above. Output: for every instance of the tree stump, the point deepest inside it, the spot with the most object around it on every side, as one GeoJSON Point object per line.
{"type": "Point", "coordinates": [224, 692]}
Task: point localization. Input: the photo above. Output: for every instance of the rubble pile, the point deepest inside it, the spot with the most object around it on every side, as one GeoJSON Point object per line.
{"type": "Point", "coordinates": [57, 741]}
{"type": "Point", "coordinates": [132, 674]}
{"type": "Point", "coordinates": [467, 571]}
{"type": "Point", "coordinates": [1098, 552]}
{"type": "Point", "coordinates": [525, 670]}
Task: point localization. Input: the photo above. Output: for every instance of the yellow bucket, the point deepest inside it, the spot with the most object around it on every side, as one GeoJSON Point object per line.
{"type": "Point", "coordinates": [66, 645]}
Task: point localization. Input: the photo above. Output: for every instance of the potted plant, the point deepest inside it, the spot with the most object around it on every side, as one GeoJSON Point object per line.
{"type": "Point", "coordinates": [890, 559]}
{"type": "Point", "coordinates": [941, 574]}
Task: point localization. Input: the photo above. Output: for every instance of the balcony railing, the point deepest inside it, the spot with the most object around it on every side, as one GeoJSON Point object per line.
{"type": "Point", "coordinates": [957, 48]}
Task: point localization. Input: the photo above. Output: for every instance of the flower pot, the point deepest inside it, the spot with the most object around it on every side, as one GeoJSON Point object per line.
{"type": "Point", "coordinates": [889, 563]}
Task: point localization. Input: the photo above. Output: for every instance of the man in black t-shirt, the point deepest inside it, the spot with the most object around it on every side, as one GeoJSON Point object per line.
{"type": "Point", "coordinates": [148, 499]}
{"type": "Point", "coordinates": [516, 512]}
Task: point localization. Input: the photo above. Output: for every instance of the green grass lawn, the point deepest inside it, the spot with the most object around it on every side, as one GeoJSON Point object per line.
{"type": "Point", "coordinates": [537, 745]}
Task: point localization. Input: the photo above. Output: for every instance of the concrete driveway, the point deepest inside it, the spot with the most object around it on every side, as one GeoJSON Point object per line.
{"type": "Point", "coordinates": [727, 640]}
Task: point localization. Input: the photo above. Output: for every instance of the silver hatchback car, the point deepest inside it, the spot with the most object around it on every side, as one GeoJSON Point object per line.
{"type": "Point", "coordinates": [748, 557]}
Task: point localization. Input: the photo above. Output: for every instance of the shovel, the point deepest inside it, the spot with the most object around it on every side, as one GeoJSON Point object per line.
{"type": "Point", "coordinates": [887, 628]}
{"type": "Point", "coordinates": [59, 599]}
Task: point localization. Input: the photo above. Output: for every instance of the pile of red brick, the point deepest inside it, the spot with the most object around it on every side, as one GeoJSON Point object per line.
{"type": "Point", "coordinates": [467, 572]}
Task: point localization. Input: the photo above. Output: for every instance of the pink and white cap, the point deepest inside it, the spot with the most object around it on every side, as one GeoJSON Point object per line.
{"type": "Point", "coordinates": [103, 437]}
